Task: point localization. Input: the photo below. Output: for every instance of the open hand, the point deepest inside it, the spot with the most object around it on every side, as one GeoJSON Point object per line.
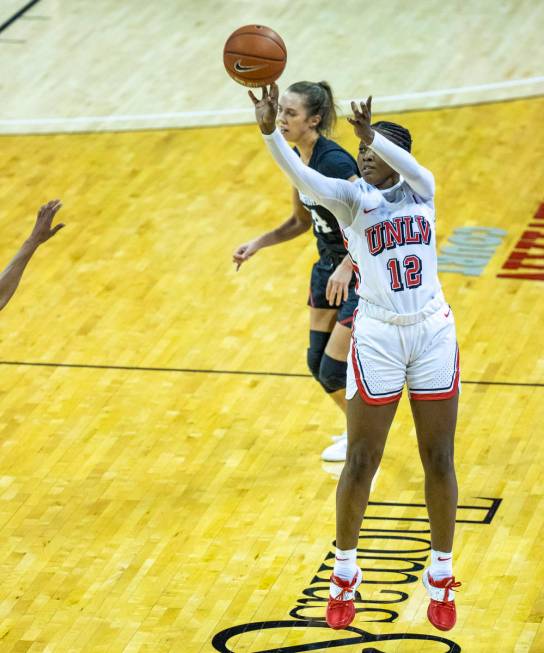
{"type": "Point", "coordinates": [42, 229]}
{"type": "Point", "coordinates": [266, 109]}
{"type": "Point", "coordinates": [362, 116]}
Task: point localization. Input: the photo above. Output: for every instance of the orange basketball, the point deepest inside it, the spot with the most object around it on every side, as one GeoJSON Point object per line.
{"type": "Point", "coordinates": [254, 55]}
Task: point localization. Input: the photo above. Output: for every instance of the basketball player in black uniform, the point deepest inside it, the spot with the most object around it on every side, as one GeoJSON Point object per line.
{"type": "Point", "coordinates": [306, 116]}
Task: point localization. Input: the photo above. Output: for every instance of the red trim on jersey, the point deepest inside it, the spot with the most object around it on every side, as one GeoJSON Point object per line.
{"type": "Point", "coordinates": [434, 396]}
{"type": "Point", "coordinates": [357, 274]}
{"type": "Point", "coordinates": [348, 320]}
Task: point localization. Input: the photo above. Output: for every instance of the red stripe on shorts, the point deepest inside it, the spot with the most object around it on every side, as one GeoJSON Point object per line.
{"type": "Point", "coordinates": [430, 396]}
{"type": "Point", "coordinates": [368, 399]}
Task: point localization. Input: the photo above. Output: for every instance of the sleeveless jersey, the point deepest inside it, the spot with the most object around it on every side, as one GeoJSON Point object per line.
{"type": "Point", "coordinates": [331, 160]}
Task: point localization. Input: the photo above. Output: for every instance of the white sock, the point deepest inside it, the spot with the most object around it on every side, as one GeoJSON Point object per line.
{"type": "Point", "coordinates": [345, 564]}
{"type": "Point", "coordinates": [345, 567]}
{"type": "Point", "coordinates": [441, 564]}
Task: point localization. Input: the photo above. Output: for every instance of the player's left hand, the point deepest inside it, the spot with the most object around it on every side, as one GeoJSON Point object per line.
{"type": "Point", "coordinates": [42, 229]}
{"type": "Point", "coordinates": [338, 285]}
{"type": "Point", "coordinates": [266, 109]}
{"type": "Point", "coordinates": [362, 115]}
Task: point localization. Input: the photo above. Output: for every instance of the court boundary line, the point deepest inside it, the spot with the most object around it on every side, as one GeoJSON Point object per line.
{"type": "Point", "coordinates": [18, 15]}
{"type": "Point", "coordinates": [234, 125]}
{"type": "Point", "coordinates": [189, 370]}
{"type": "Point", "coordinates": [135, 118]}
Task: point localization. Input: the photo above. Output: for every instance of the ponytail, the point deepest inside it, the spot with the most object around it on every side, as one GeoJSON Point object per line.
{"type": "Point", "coordinates": [318, 101]}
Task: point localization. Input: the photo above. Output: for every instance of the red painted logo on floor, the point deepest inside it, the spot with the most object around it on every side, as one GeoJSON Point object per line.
{"type": "Point", "coordinates": [527, 258]}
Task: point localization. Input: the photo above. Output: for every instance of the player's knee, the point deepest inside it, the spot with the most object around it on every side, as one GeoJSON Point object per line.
{"type": "Point", "coordinates": [438, 461]}
{"type": "Point", "coordinates": [318, 342]}
{"type": "Point", "coordinates": [332, 374]}
{"type": "Point", "coordinates": [362, 462]}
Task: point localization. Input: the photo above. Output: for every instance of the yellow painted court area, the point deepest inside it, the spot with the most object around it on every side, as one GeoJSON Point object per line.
{"type": "Point", "coordinates": [148, 510]}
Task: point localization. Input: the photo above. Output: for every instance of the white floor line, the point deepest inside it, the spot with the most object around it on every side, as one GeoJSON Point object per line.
{"type": "Point", "coordinates": [185, 115]}
{"type": "Point", "coordinates": [493, 86]}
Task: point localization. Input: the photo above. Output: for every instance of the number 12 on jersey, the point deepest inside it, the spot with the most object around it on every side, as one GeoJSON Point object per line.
{"type": "Point", "coordinates": [411, 273]}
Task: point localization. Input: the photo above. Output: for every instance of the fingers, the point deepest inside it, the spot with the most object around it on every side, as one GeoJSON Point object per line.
{"type": "Point", "coordinates": [57, 227]}
{"type": "Point", "coordinates": [56, 205]}
{"type": "Point", "coordinates": [241, 255]}
{"type": "Point", "coordinates": [364, 112]}
{"type": "Point", "coordinates": [47, 212]}
{"type": "Point", "coordinates": [238, 260]}
{"type": "Point", "coordinates": [252, 97]}
{"type": "Point", "coordinates": [355, 109]}
{"type": "Point", "coordinates": [334, 293]}
{"type": "Point", "coordinates": [50, 207]}
{"type": "Point", "coordinates": [360, 113]}
{"type": "Point", "coordinates": [274, 91]}
{"type": "Point", "coordinates": [335, 299]}
{"type": "Point", "coordinates": [328, 291]}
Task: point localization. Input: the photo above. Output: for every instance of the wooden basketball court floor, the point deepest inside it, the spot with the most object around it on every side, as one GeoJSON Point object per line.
{"type": "Point", "coordinates": [160, 481]}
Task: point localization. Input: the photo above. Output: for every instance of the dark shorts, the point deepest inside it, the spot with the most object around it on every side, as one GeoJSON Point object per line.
{"type": "Point", "coordinates": [321, 272]}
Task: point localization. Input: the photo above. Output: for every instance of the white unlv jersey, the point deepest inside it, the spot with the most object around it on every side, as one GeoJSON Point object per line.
{"type": "Point", "coordinates": [390, 234]}
{"type": "Point", "coordinates": [393, 247]}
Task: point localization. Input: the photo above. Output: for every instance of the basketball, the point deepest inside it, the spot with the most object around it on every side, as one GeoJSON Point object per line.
{"type": "Point", "coordinates": [254, 55]}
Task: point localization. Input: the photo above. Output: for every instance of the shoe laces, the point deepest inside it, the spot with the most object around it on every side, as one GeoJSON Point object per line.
{"type": "Point", "coordinates": [346, 586]}
{"type": "Point", "coordinates": [451, 584]}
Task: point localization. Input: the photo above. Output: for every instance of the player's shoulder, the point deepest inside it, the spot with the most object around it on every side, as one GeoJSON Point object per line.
{"type": "Point", "coordinates": [326, 147]}
{"type": "Point", "coordinates": [328, 154]}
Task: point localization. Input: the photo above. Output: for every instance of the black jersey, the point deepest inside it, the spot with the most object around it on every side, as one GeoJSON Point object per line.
{"type": "Point", "coordinates": [330, 160]}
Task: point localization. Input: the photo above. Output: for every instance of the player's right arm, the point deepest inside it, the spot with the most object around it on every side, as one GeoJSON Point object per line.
{"type": "Point", "coordinates": [42, 231]}
{"type": "Point", "coordinates": [299, 222]}
{"type": "Point", "coordinates": [342, 198]}
{"type": "Point", "coordinates": [418, 178]}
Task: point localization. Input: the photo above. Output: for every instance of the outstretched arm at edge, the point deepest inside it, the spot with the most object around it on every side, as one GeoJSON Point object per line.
{"type": "Point", "coordinates": [10, 277]}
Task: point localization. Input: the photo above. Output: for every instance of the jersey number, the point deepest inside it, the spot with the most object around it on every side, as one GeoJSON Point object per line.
{"type": "Point", "coordinates": [321, 225]}
{"type": "Point", "coordinates": [412, 273]}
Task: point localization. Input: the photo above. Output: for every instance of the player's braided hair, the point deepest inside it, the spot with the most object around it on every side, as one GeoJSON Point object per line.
{"type": "Point", "coordinates": [318, 101]}
{"type": "Point", "coordinates": [396, 133]}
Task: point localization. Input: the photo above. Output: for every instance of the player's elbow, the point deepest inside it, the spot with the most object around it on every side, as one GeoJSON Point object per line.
{"type": "Point", "coordinates": [424, 185]}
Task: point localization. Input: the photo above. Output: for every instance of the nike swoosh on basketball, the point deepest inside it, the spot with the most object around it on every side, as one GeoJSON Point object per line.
{"type": "Point", "coordinates": [240, 68]}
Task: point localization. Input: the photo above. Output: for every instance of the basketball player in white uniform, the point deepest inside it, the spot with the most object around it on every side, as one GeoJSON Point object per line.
{"type": "Point", "coordinates": [403, 333]}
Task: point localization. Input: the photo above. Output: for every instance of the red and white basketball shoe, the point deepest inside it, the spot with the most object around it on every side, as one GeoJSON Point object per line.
{"type": "Point", "coordinates": [341, 607]}
{"type": "Point", "coordinates": [441, 611]}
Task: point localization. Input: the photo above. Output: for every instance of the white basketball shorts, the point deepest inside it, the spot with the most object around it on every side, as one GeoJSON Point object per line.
{"type": "Point", "coordinates": [385, 355]}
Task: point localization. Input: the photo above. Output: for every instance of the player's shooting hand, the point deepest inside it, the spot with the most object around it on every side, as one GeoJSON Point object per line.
{"type": "Point", "coordinates": [42, 229]}
{"type": "Point", "coordinates": [266, 108]}
{"type": "Point", "coordinates": [243, 253]}
{"type": "Point", "coordinates": [362, 115]}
